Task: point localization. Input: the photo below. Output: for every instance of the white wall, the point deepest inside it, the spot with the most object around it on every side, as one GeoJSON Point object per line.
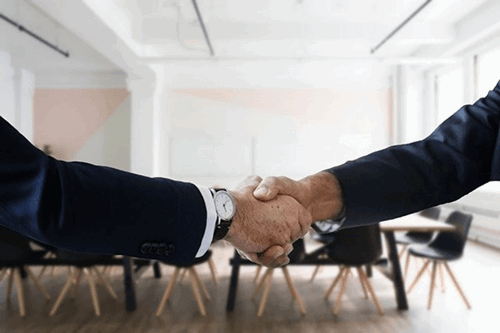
{"type": "Point", "coordinates": [217, 134]}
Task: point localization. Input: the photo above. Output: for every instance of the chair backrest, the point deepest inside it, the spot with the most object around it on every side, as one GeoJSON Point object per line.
{"type": "Point", "coordinates": [432, 213]}
{"type": "Point", "coordinates": [356, 246]}
{"type": "Point", "coordinates": [14, 247]}
{"type": "Point", "coordinates": [454, 242]}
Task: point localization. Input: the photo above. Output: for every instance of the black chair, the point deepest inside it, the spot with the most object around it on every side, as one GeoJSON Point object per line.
{"type": "Point", "coordinates": [296, 257]}
{"type": "Point", "coordinates": [16, 255]}
{"type": "Point", "coordinates": [196, 283]}
{"type": "Point", "coordinates": [324, 239]}
{"type": "Point", "coordinates": [355, 247]}
{"type": "Point", "coordinates": [445, 247]}
{"type": "Point", "coordinates": [83, 263]}
{"type": "Point", "coordinates": [415, 237]}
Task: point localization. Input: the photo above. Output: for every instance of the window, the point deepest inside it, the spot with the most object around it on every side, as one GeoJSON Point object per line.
{"type": "Point", "coordinates": [449, 93]}
{"type": "Point", "coordinates": [488, 72]}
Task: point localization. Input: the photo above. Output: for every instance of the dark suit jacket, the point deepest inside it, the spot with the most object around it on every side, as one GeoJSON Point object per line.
{"type": "Point", "coordinates": [81, 207]}
{"type": "Point", "coordinates": [462, 154]}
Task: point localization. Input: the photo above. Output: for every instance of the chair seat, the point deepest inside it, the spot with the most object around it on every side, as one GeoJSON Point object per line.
{"type": "Point", "coordinates": [414, 238]}
{"type": "Point", "coordinates": [434, 253]}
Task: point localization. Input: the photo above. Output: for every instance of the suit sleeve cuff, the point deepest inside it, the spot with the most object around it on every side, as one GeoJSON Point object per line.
{"type": "Point", "coordinates": [211, 219]}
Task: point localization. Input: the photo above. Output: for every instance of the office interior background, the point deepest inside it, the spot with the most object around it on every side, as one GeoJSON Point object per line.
{"type": "Point", "coordinates": [284, 87]}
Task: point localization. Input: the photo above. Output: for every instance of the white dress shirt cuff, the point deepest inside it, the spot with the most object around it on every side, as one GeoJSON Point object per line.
{"type": "Point", "coordinates": [211, 220]}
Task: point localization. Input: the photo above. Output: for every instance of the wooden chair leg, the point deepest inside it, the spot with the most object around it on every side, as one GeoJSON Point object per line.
{"type": "Point", "coordinates": [433, 278]}
{"type": "Point", "coordinates": [200, 283]}
{"type": "Point", "coordinates": [78, 279]}
{"type": "Point", "coordinates": [407, 266]}
{"type": "Point", "coordinates": [314, 273]}
{"type": "Point", "coordinates": [9, 283]}
{"type": "Point", "coordinates": [37, 283]}
{"type": "Point", "coordinates": [265, 295]}
{"type": "Point", "coordinates": [93, 292]}
{"type": "Point", "coordinates": [3, 271]}
{"type": "Point", "coordinates": [257, 273]}
{"type": "Point", "coordinates": [441, 275]}
{"type": "Point", "coordinates": [294, 291]}
{"type": "Point", "coordinates": [402, 251]}
{"type": "Point", "coordinates": [105, 281]}
{"type": "Point", "coordinates": [63, 293]}
{"type": "Point", "coordinates": [361, 281]}
{"type": "Point", "coordinates": [42, 272]}
{"type": "Point", "coordinates": [419, 275]}
{"type": "Point", "coordinates": [261, 283]}
{"type": "Point", "coordinates": [335, 281]}
{"type": "Point", "coordinates": [20, 291]}
{"type": "Point", "coordinates": [168, 291]}
{"type": "Point", "coordinates": [185, 270]}
{"type": "Point", "coordinates": [366, 281]}
{"type": "Point", "coordinates": [196, 291]}
{"type": "Point", "coordinates": [342, 290]}
{"type": "Point", "coordinates": [213, 269]}
{"type": "Point", "coordinates": [455, 282]}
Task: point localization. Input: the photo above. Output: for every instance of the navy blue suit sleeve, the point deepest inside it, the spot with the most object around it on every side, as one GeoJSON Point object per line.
{"type": "Point", "coordinates": [459, 156]}
{"type": "Point", "coordinates": [87, 208]}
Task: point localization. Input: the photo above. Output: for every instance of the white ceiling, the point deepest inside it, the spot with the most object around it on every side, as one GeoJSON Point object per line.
{"type": "Point", "coordinates": [105, 35]}
{"type": "Point", "coordinates": [286, 28]}
{"type": "Point", "coordinates": [32, 54]}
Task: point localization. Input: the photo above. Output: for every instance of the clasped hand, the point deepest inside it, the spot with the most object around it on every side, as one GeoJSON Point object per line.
{"type": "Point", "coordinates": [273, 213]}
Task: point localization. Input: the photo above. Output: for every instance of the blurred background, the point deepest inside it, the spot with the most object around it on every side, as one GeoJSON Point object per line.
{"type": "Point", "coordinates": [214, 90]}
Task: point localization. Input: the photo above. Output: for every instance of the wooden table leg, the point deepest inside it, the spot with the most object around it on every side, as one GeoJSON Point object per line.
{"type": "Point", "coordinates": [397, 277]}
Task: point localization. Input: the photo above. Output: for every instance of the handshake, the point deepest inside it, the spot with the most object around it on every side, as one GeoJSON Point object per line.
{"type": "Point", "coordinates": [272, 213]}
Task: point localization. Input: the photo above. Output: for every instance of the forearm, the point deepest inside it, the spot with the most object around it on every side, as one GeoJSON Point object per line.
{"type": "Point", "coordinates": [87, 208]}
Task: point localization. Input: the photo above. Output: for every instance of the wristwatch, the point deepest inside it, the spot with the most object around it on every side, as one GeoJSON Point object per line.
{"type": "Point", "coordinates": [330, 225]}
{"type": "Point", "coordinates": [225, 207]}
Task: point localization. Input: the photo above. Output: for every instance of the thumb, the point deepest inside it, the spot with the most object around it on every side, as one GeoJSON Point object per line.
{"type": "Point", "coordinates": [269, 188]}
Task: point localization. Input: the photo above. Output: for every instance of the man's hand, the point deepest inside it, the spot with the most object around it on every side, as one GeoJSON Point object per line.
{"type": "Point", "coordinates": [320, 194]}
{"type": "Point", "coordinates": [265, 231]}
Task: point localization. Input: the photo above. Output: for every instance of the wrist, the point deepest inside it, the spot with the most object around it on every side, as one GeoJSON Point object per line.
{"type": "Point", "coordinates": [324, 193]}
{"type": "Point", "coordinates": [237, 218]}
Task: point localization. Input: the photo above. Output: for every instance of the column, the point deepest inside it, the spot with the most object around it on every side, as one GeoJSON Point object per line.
{"type": "Point", "coordinates": [24, 90]}
{"type": "Point", "coordinates": [7, 95]}
{"type": "Point", "coordinates": [146, 124]}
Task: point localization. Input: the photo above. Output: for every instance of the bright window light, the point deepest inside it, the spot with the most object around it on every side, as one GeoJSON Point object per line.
{"type": "Point", "coordinates": [488, 72]}
{"type": "Point", "coordinates": [450, 93]}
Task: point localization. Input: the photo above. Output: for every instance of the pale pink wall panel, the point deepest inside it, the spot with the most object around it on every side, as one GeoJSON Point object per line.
{"type": "Point", "coordinates": [66, 118]}
{"type": "Point", "coordinates": [307, 104]}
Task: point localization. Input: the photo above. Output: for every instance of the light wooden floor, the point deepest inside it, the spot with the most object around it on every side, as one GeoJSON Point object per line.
{"type": "Point", "coordinates": [478, 272]}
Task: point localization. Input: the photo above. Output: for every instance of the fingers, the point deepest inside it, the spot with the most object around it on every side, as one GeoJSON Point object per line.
{"type": "Point", "coordinates": [250, 181]}
{"type": "Point", "coordinates": [270, 187]}
{"type": "Point", "coordinates": [274, 256]}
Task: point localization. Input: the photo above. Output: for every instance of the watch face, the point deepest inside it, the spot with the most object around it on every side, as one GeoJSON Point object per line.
{"type": "Point", "coordinates": [224, 205]}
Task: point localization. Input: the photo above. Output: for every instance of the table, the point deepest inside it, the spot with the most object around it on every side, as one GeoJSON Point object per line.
{"type": "Point", "coordinates": [412, 222]}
